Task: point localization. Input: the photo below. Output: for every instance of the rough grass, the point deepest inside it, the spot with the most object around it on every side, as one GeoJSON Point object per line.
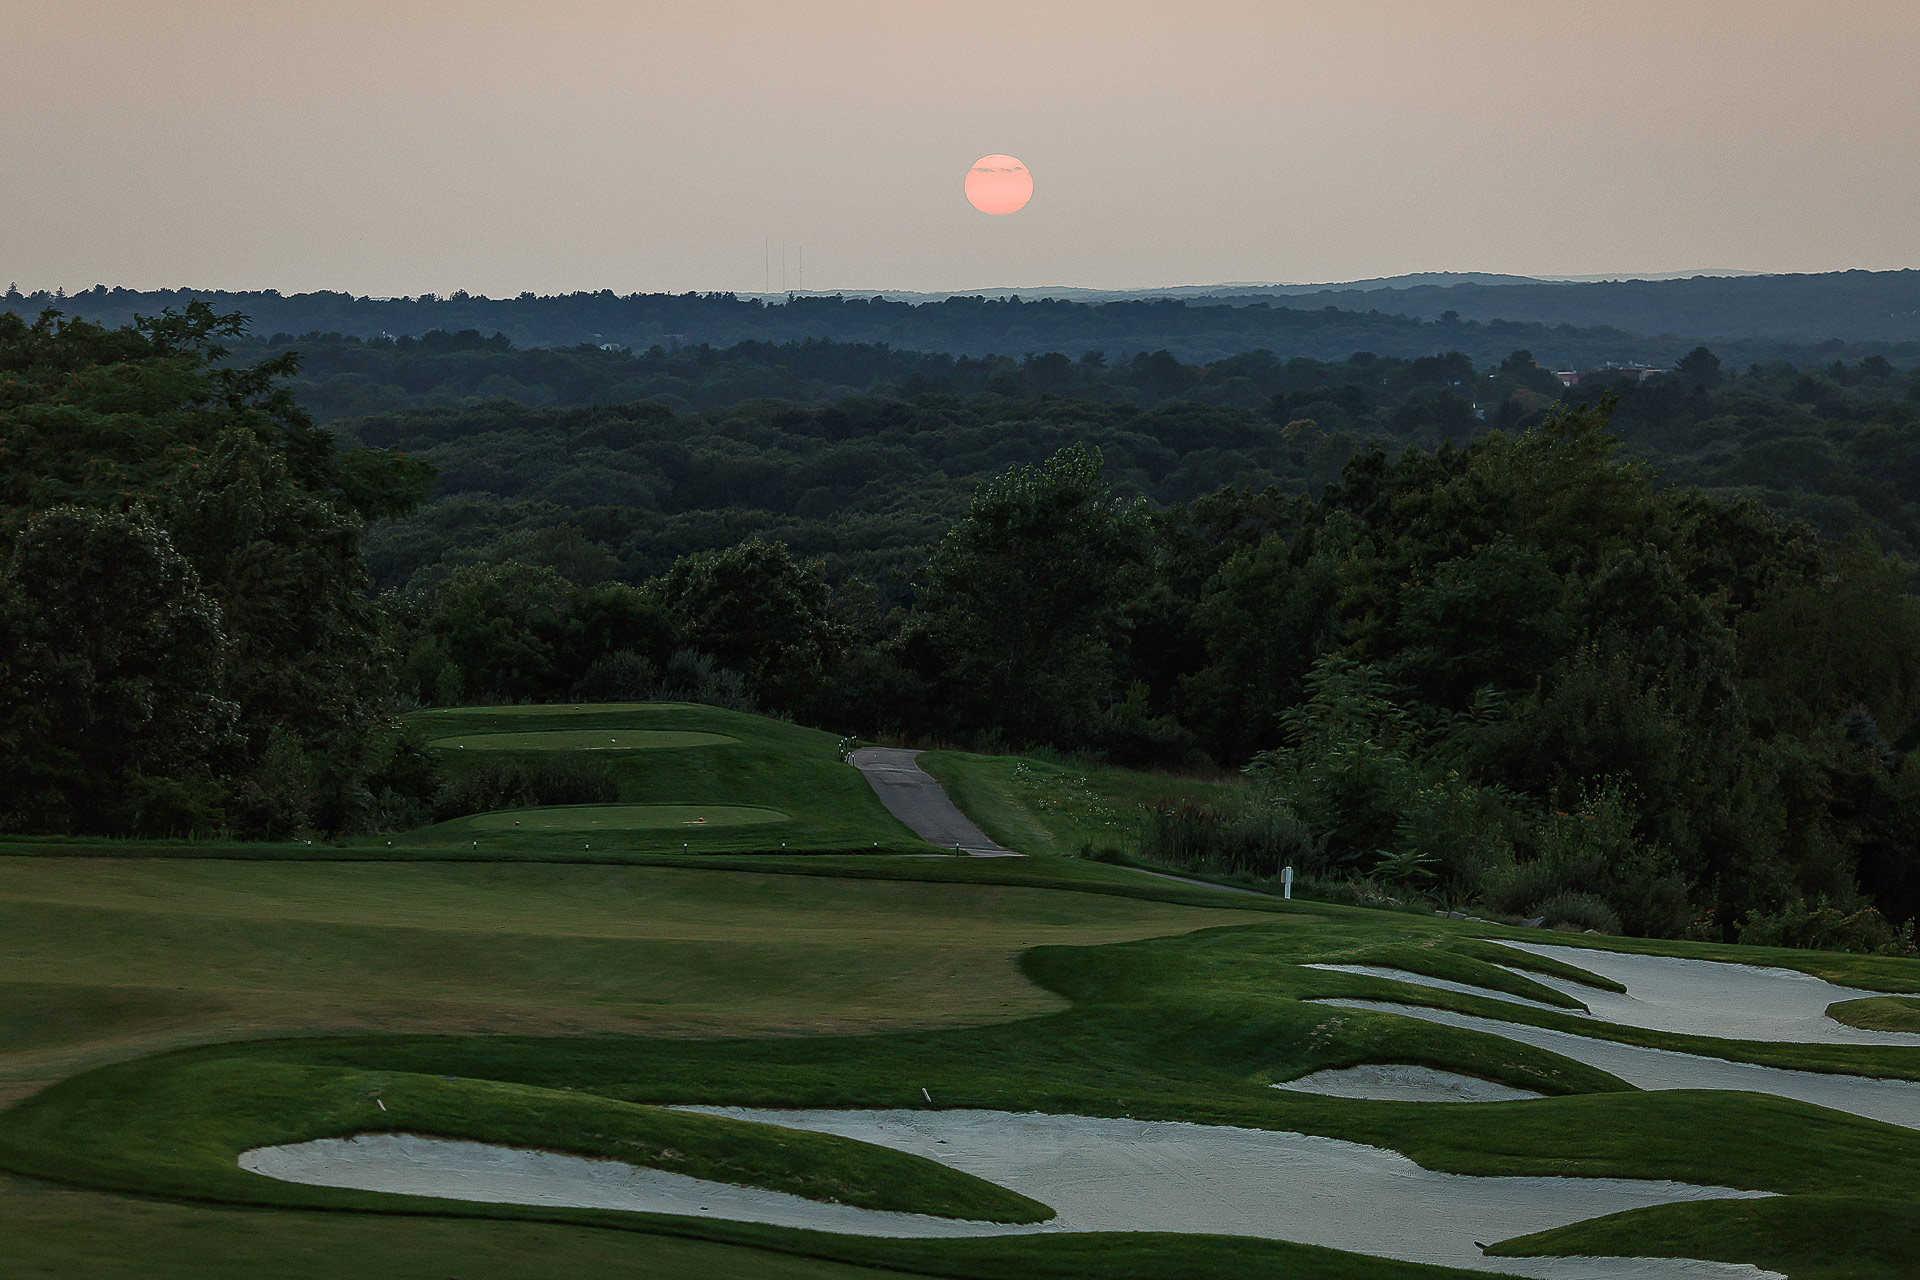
{"type": "Point", "coordinates": [691, 756]}
{"type": "Point", "coordinates": [1878, 1013]}
{"type": "Point", "coordinates": [1192, 1027]}
{"type": "Point", "coordinates": [59, 1233]}
{"type": "Point", "coordinates": [180, 1130]}
{"type": "Point", "coordinates": [1045, 983]}
{"type": "Point", "coordinates": [1042, 806]}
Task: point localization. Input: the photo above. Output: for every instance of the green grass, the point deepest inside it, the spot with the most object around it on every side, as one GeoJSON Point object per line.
{"type": "Point", "coordinates": [1041, 806]}
{"type": "Point", "coordinates": [585, 740]}
{"type": "Point", "coordinates": [1878, 1013]}
{"type": "Point", "coordinates": [166, 1004]}
{"type": "Point", "coordinates": [110, 957]}
{"type": "Point", "coordinates": [593, 818]}
{"type": "Point", "coordinates": [180, 1131]}
{"type": "Point", "coordinates": [1193, 1027]}
{"type": "Point", "coordinates": [763, 785]}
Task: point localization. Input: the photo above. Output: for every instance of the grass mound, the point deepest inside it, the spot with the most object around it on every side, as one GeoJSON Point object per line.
{"type": "Point", "coordinates": [187, 1123]}
{"type": "Point", "coordinates": [626, 817]}
{"type": "Point", "coordinates": [584, 740]}
{"type": "Point", "coordinates": [1878, 1013]}
{"type": "Point", "coordinates": [762, 785]}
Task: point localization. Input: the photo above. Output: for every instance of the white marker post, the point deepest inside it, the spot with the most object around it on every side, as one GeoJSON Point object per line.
{"type": "Point", "coordinates": [1286, 883]}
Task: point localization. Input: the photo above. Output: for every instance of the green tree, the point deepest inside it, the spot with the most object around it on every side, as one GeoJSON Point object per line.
{"type": "Point", "coordinates": [112, 664]}
{"type": "Point", "coordinates": [1024, 604]}
{"type": "Point", "coordinates": [758, 611]}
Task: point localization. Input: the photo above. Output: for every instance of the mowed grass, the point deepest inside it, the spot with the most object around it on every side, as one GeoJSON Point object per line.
{"type": "Point", "coordinates": [1192, 1027]}
{"type": "Point", "coordinates": [109, 957]}
{"type": "Point", "coordinates": [568, 1000]}
{"type": "Point", "coordinates": [692, 778]}
{"type": "Point", "coordinates": [1044, 806]}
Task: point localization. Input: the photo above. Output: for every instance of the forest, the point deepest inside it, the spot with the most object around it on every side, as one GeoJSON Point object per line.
{"type": "Point", "coordinates": [1871, 314]}
{"type": "Point", "coordinates": [1632, 655]}
{"type": "Point", "coordinates": [621, 491]}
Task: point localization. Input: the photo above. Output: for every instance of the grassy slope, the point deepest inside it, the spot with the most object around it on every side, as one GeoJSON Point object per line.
{"type": "Point", "coordinates": [107, 957]}
{"type": "Point", "coordinates": [1039, 806]}
{"type": "Point", "coordinates": [1191, 1027]}
{"type": "Point", "coordinates": [768, 763]}
{"type": "Point", "coordinates": [1878, 1013]}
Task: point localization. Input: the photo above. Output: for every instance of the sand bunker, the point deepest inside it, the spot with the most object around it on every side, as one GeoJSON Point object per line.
{"type": "Point", "coordinates": [1399, 1082]}
{"type": "Point", "coordinates": [408, 1164]}
{"type": "Point", "coordinates": [1894, 1101]}
{"type": "Point", "coordinates": [1708, 998]}
{"type": "Point", "coordinates": [1443, 984]}
{"type": "Point", "coordinates": [1099, 1174]}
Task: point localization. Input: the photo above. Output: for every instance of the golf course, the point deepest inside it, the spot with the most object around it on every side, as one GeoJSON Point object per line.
{"type": "Point", "coordinates": [733, 1017]}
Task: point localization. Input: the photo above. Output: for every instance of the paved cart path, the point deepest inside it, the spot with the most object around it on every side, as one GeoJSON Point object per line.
{"type": "Point", "coordinates": [911, 795]}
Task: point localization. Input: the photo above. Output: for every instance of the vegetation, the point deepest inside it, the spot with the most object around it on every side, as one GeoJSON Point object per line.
{"type": "Point", "coordinates": [1190, 1027]}
{"type": "Point", "coordinates": [1768, 316]}
{"type": "Point", "coordinates": [701, 769]}
{"type": "Point", "coordinates": [186, 639]}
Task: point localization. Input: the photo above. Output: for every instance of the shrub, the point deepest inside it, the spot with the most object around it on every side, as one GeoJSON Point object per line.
{"type": "Point", "coordinates": [1579, 911]}
{"type": "Point", "coordinates": [513, 784]}
{"type": "Point", "coordinates": [1257, 842]}
{"type": "Point", "coordinates": [1592, 855]}
{"type": "Point", "coordinates": [619, 676]}
{"type": "Point", "coordinates": [1822, 926]}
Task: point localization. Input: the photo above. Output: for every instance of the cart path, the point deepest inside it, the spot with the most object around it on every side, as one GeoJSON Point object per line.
{"type": "Point", "coordinates": [911, 795]}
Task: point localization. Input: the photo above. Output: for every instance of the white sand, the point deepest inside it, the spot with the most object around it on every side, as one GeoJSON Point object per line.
{"type": "Point", "coordinates": [408, 1164]}
{"type": "Point", "coordinates": [1444, 984]}
{"type": "Point", "coordinates": [1707, 998]}
{"type": "Point", "coordinates": [1103, 1174]}
{"type": "Point", "coordinates": [1894, 1101]}
{"type": "Point", "coordinates": [1400, 1082]}
{"type": "Point", "coordinates": [1099, 1174]}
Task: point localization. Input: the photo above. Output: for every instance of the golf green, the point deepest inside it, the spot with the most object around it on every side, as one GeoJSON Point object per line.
{"type": "Point", "coordinates": [585, 740]}
{"type": "Point", "coordinates": [626, 817]}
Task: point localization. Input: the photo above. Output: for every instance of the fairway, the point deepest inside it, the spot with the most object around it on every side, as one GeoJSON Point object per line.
{"type": "Point", "coordinates": [162, 1015]}
{"type": "Point", "coordinates": [106, 958]}
{"type": "Point", "coordinates": [584, 740]}
{"type": "Point", "coordinates": [626, 817]}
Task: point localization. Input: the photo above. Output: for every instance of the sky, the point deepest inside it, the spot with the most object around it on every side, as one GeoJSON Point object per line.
{"type": "Point", "coordinates": [409, 146]}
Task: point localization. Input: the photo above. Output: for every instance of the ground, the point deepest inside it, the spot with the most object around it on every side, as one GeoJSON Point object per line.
{"type": "Point", "coordinates": [165, 1006]}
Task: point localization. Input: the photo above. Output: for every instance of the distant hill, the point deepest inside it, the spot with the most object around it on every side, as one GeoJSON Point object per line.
{"type": "Point", "coordinates": [1746, 319]}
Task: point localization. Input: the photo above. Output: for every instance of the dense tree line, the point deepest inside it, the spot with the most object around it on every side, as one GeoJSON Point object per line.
{"type": "Point", "coordinates": [187, 640]}
{"type": "Point", "coordinates": [1323, 327]}
{"type": "Point", "coordinates": [1517, 675]}
{"type": "Point", "coordinates": [619, 492]}
{"type": "Point", "coordinates": [1498, 662]}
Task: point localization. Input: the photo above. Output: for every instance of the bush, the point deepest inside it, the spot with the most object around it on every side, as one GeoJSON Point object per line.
{"type": "Point", "coordinates": [513, 784]}
{"type": "Point", "coordinates": [690, 676]}
{"type": "Point", "coordinates": [619, 676]}
{"type": "Point", "coordinates": [1823, 926]}
{"type": "Point", "coordinates": [1591, 865]}
{"type": "Point", "coordinates": [1579, 911]}
{"type": "Point", "coordinates": [1258, 842]}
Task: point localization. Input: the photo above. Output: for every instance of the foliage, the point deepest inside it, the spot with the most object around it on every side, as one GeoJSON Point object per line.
{"type": "Point", "coordinates": [115, 662]}
{"type": "Point", "coordinates": [1023, 606]}
{"type": "Point", "coordinates": [1822, 926]}
{"type": "Point", "coordinates": [239, 524]}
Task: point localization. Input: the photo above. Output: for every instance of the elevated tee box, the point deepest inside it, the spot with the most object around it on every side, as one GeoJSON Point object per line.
{"type": "Point", "coordinates": [691, 778]}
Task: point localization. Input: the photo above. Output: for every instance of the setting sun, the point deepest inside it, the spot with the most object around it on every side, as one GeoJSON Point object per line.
{"type": "Point", "coordinates": [999, 184]}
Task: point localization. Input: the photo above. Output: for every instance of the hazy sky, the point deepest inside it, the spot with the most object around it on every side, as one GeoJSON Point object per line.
{"type": "Point", "coordinates": [400, 147]}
